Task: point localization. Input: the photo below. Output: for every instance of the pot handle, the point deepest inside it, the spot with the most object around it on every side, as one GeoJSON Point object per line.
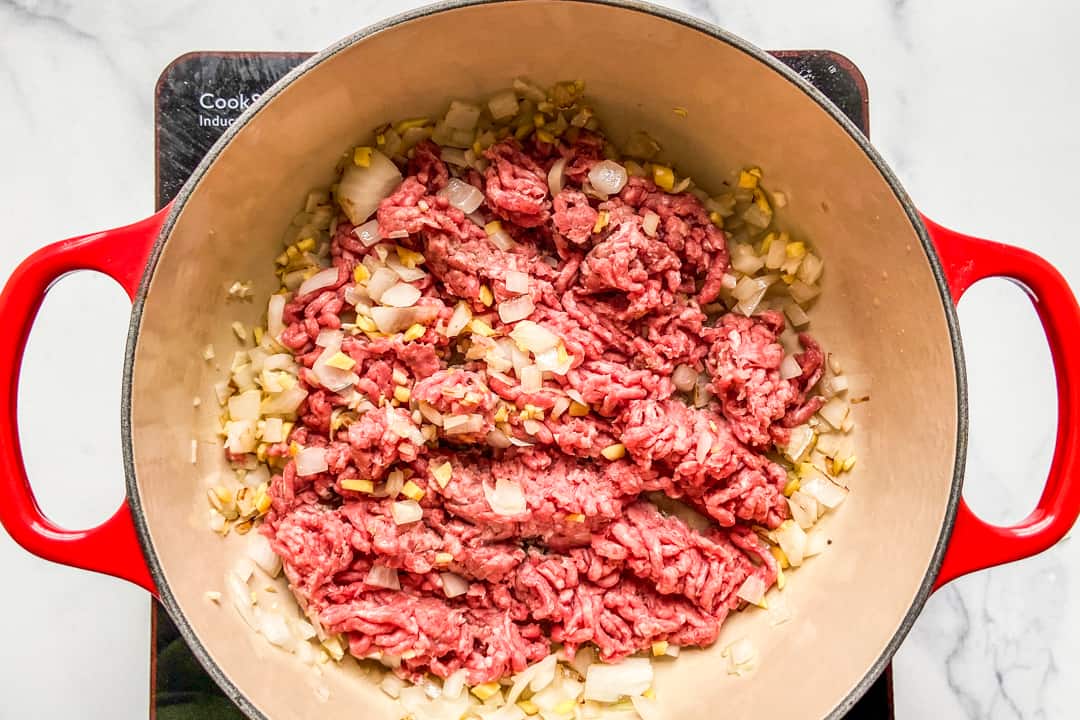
{"type": "Point", "coordinates": [112, 547]}
{"type": "Point", "coordinates": [975, 544]}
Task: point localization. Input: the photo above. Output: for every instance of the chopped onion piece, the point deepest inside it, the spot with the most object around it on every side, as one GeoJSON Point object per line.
{"type": "Point", "coordinates": [650, 223]}
{"type": "Point", "coordinates": [401, 295]}
{"type": "Point", "coordinates": [608, 683]}
{"type": "Point", "coordinates": [462, 115]}
{"type": "Point", "coordinates": [506, 498]}
{"type": "Point", "coordinates": [803, 293]}
{"type": "Point", "coordinates": [531, 379]}
{"type": "Point", "coordinates": [274, 311]}
{"type": "Point", "coordinates": [330, 377]}
{"type": "Point", "coordinates": [536, 677]}
{"type": "Point", "coordinates": [361, 189]}
{"type": "Point", "coordinates": [684, 378]}
{"type": "Point", "coordinates": [328, 337]}
{"type": "Point", "coordinates": [555, 176]}
{"type": "Point", "coordinates": [608, 177]}
{"type": "Point", "coordinates": [810, 269]}
{"type": "Point", "coordinates": [517, 309]}
{"type": "Point", "coordinates": [816, 543]}
{"type": "Point", "coordinates": [383, 577]}
{"type": "Point", "coordinates": [408, 274]}
{"type": "Point", "coordinates": [454, 585]}
{"type": "Point", "coordinates": [284, 402]}
{"type": "Point", "coordinates": [646, 707]}
{"type": "Point", "coordinates": [275, 629]}
{"type": "Point", "coordinates": [497, 439]}
{"type": "Point", "coordinates": [457, 322]}
{"type": "Point", "coordinates": [741, 655]}
{"type": "Point", "coordinates": [804, 509]}
{"type": "Point", "coordinates": [751, 287]}
{"type": "Point", "coordinates": [240, 436]}
{"type": "Point", "coordinates": [534, 338]}
{"type": "Point", "coordinates": [835, 411]}
{"type": "Point", "coordinates": [503, 104]}
{"type": "Point", "coordinates": [392, 685]}
{"type": "Point", "coordinates": [245, 405]}
{"type": "Point", "coordinates": [776, 255]}
{"type": "Point", "coordinates": [752, 590]}
{"type": "Point", "coordinates": [368, 233]}
{"type": "Point", "coordinates": [825, 491]}
{"type": "Point", "coordinates": [502, 240]}
{"type": "Point", "coordinates": [463, 424]}
{"type": "Point", "coordinates": [262, 554]}
{"type": "Point", "coordinates": [380, 281]}
{"type": "Point", "coordinates": [796, 315]}
{"type": "Point", "coordinates": [789, 368]}
{"type": "Point", "coordinates": [311, 461]}
{"type": "Point", "coordinates": [745, 260]}
{"type": "Point", "coordinates": [391, 320]}
{"type": "Point", "coordinates": [318, 281]}
{"type": "Point", "coordinates": [462, 195]}
{"type": "Point", "coordinates": [406, 511]}
{"type": "Point", "coordinates": [792, 540]}
{"type": "Point", "coordinates": [517, 282]}
{"type": "Point", "coordinates": [455, 683]}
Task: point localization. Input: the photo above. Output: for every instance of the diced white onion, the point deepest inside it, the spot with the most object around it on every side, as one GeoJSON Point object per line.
{"type": "Point", "coordinates": [430, 414]}
{"type": "Point", "coordinates": [274, 311]}
{"type": "Point", "coordinates": [380, 281]}
{"type": "Point", "coordinates": [457, 322]}
{"type": "Point", "coordinates": [776, 255]}
{"type": "Point", "coordinates": [825, 491]}
{"type": "Point", "coordinates": [240, 436]}
{"type": "Point", "coordinates": [400, 295]}
{"type": "Point", "coordinates": [796, 315]}
{"type": "Point", "coordinates": [274, 628]}
{"type": "Point", "coordinates": [455, 683]}
{"type": "Point", "coordinates": [684, 378]}
{"type": "Point", "coordinates": [608, 683]}
{"type": "Point", "coordinates": [646, 708]}
{"type": "Point", "coordinates": [502, 240]}
{"type": "Point", "coordinates": [506, 498]}
{"type": "Point", "coordinates": [650, 223]}
{"type": "Point", "coordinates": [262, 554]}
{"type": "Point", "coordinates": [810, 269]}
{"type": "Point", "coordinates": [462, 115]}
{"type": "Point", "coordinates": [311, 461]}
{"type": "Point", "coordinates": [240, 595]}
{"type": "Point", "coordinates": [245, 405]}
{"type": "Point", "coordinates": [536, 677]}
{"type": "Point", "coordinates": [752, 590]}
{"type": "Point", "coordinates": [391, 320]}
{"type": "Point", "coordinates": [789, 368]}
{"type": "Point", "coordinates": [745, 260]}
{"type": "Point", "coordinates": [517, 282]}
{"type": "Point", "coordinates": [392, 685]}
{"type": "Point", "coordinates": [804, 509]}
{"type": "Point", "coordinates": [792, 541]}
{"type": "Point", "coordinates": [330, 377]}
{"type": "Point", "coordinates": [503, 104]}
{"type": "Point", "coordinates": [835, 411]}
{"type": "Point", "coordinates": [284, 402]}
{"type": "Point", "coordinates": [531, 379]}
{"type": "Point", "coordinates": [318, 281]}
{"type": "Point", "coordinates": [383, 577]}
{"type": "Point", "coordinates": [534, 338]}
{"type": "Point", "coordinates": [368, 233]}
{"type": "Point", "coordinates": [608, 177]}
{"type": "Point", "coordinates": [408, 274]}
{"type": "Point", "coordinates": [328, 337]}
{"type": "Point", "coordinates": [555, 176]}
{"type": "Point", "coordinates": [816, 543]}
{"type": "Point", "coordinates": [497, 439]}
{"type": "Point", "coordinates": [362, 188]}
{"type": "Point", "coordinates": [803, 293]}
{"type": "Point", "coordinates": [406, 511]}
{"type": "Point", "coordinates": [741, 655]}
{"type": "Point", "coordinates": [517, 309]}
{"type": "Point", "coordinates": [463, 424]}
{"type": "Point", "coordinates": [462, 195]}
{"type": "Point", "coordinates": [454, 585]}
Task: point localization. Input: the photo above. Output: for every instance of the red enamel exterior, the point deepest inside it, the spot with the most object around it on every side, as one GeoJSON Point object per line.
{"type": "Point", "coordinates": [112, 547]}
{"type": "Point", "coordinates": [975, 544]}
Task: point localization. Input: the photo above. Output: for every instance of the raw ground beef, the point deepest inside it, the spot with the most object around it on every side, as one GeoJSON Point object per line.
{"type": "Point", "coordinates": [589, 560]}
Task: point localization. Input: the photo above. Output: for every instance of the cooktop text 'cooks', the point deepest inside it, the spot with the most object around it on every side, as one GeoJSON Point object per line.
{"type": "Point", "coordinates": [224, 109]}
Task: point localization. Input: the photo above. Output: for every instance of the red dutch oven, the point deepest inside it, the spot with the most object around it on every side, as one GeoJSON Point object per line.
{"type": "Point", "coordinates": [905, 529]}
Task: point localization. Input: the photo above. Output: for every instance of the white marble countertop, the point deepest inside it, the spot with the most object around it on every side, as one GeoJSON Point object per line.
{"type": "Point", "coordinates": [973, 104]}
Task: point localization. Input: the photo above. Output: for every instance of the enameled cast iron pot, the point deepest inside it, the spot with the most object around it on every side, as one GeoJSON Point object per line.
{"type": "Point", "coordinates": [902, 533]}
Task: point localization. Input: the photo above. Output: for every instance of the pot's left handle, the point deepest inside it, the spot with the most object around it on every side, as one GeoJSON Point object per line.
{"type": "Point", "coordinates": [112, 547]}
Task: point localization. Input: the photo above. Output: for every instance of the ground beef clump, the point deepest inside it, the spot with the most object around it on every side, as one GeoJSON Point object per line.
{"type": "Point", "coordinates": [533, 487]}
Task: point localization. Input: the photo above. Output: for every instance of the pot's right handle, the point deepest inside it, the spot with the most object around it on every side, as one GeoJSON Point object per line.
{"type": "Point", "coordinates": [112, 547]}
{"type": "Point", "coordinates": [976, 544]}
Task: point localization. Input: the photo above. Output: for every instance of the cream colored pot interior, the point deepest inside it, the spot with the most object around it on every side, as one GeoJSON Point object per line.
{"type": "Point", "coordinates": [881, 311]}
